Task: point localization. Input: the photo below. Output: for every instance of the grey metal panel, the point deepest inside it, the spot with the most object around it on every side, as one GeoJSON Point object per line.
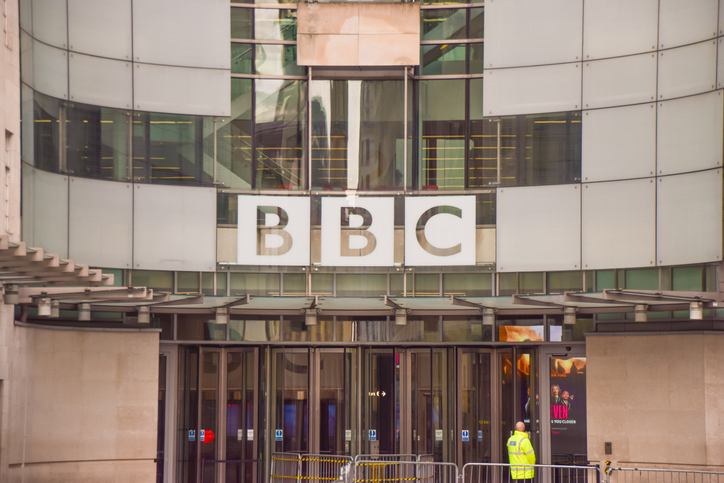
{"type": "Point", "coordinates": [50, 22]}
{"type": "Point", "coordinates": [530, 32]}
{"type": "Point", "coordinates": [101, 222]}
{"type": "Point", "coordinates": [101, 82]}
{"type": "Point", "coordinates": [174, 228]}
{"type": "Point", "coordinates": [50, 70]}
{"type": "Point", "coordinates": [100, 28]}
{"type": "Point", "coordinates": [632, 130]}
{"type": "Point", "coordinates": [539, 228]}
{"type": "Point", "coordinates": [689, 133]}
{"type": "Point", "coordinates": [619, 27]}
{"type": "Point", "coordinates": [182, 90]}
{"type": "Point", "coordinates": [191, 33]}
{"type": "Point", "coordinates": [689, 218]}
{"type": "Point", "coordinates": [618, 224]}
{"type": "Point", "coordinates": [45, 210]}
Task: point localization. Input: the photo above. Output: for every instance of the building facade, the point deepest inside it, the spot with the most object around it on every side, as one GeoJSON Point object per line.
{"type": "Point", "coordinates": [366, 228]}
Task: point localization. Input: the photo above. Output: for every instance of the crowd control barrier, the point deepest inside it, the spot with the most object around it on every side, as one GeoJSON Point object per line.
{"type": "Point", "coordinates": [236, 471]}
{"type": "Point", "coordinates": [287, 467]}
{"type": "Point", "coordinates": [501, 473]}
{"type": "Point", "coordinates": [381, 471]}
{"type": "Point", "coordinates": [652, 475]}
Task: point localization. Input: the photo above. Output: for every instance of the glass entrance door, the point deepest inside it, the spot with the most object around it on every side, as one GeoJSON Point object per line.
{"type": "Point", "coordinates": [218, 414]}
{"type": "Point", "coordinates": [475, 408]}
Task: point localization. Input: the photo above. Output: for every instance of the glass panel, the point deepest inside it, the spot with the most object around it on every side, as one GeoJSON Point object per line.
{"type": "Point", "coordinates": [443, 24]}
{"type": "Point", "coordinates": [449, 2]}
{"type": "Point", "coordinates": [295, 284]}
{"type": "Point", "coordinates": [280, 112]}
{"type": "Point", "coordinates": [240, 402]}
{"type": "Point", "coordinates": [265, 284]}
{"type": "Point", "coordinates": [242, 23]}
{"type": "Point", "coordinates": [372, 329]}
{"type": "Point", "coordinates": [357, 134]}
{"type": "Point", "coordinates": [711, 278]}
{"type": "Point", "coordinates": [397, 285]}
{"type": "Point", "coordinates": [199, 327]}
{"type": "Point", "coordinates": [530, 282]}
{"type": "Point", "coordinates": [508, 283]}
{"type": "Point", "coordinates": [559, 282]}
{"type": "Point", "coordinates": [605, 279]}
{"type": "Point", "coordinates": [560, 332]}
{"type": "Point", "coordinates": [687, 279]}
{"type": "Point", "coordinates": [485, 209]}
{"type": "Point", "coordinates": [445, 59]}
{"type": "Point", "coordinates": [277, 60]}
{"type": "Point", "coordinates": [252, 329]}
{"type": "Point", "coordinates": [165, 323]}
{"type": "Point", "coordinates": [221, 284]}
{"type": "Point", "coordinates": [322, 284]}
{"type": "Point", "coordinates": [475, 406]}
{"type": "Point", "coordinates": [519, 330]}
{"type": "Point", "coordinates": [427, 285]}
{"type": "Point", "coordinates": [428, 395]}
{"type": "Point", "coordinates": [644, 279]}
{"type": "Point", "coordinates": [159, 281]}
{"type": "Point", "coordinates": [337, 377]}
{"type": "Point", "coordinates": [169, 148]}
{"type": "Point", "coordinates": [234, 141]}
{"type": "Point", "coordinates": [97, 142]}
{"type": "Point", "coordinates": [381, 375]}
{"type": "Point", "coordinates": [294, 329]}
{"type": "Point", "coordinates": [279, 2]}
{"type": "Point", "coordinates": [361, 285]}
{"type": "Point", "coordinates": [161, 431]}
{"type": "Point", "coordinates": [477, 21]}
{"type": "Point", "coordinates": [207, 283]}
{"type": "Point", "coordinates": [418, 329]}
{"type": "Point", "coordinates": [209, 404]}
{"type": "Point", "coordinates": [442, 111]}
{"type": "Point", "coordinates": [241, 59]}
{"type": "Point", "coordinates": [475, 57]}
{"type": "Point", "coordinates": [46, 129]}
{"type": "Point", "coordinates": [568, 410]}
{"type": "Point", "coordinates": [188, 413]}
{"type": "Point", "coordinates": [465, 329]}
{"type": "Point", "coordinates": [290, 381]}
{"type": "Point", "coordinates": [470, 284]}
{"type": "Point", "coordinates": [187, 282]}
{"type": "Point", "coordinates": [275, 24]}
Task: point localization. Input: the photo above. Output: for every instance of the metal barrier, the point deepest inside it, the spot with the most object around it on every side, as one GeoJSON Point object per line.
{"type": "Point", "coordinates": [426, 458]}
{"type": "Point", "coordinates": [319, 468]}
{"type": "Point", "coordinates": [379, 471]}
{"type": "Point", "coordinates": [285, 466]}
{"type": "Point", "coordinates": [652, 475]}
{"type": "Point", "coordinates": [501, 473]}
{"type": "Point", "coordinates": [385, 457]}
{"type": "Point", "coordinates": [246, 470]}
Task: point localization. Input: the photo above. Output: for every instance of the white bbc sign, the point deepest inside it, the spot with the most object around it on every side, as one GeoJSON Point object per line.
{"type": "Point", "coordinates": [356, 231]}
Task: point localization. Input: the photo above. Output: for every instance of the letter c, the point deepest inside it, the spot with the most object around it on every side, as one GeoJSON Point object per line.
{"type": "Point", "coordinates": [420, 231]}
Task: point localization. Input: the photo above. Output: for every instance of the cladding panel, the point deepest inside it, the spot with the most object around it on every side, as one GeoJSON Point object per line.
{"type": "Point", "coordinates": [50, 70]}
{"type": "Point", "coordinates": [687, 70]}
{"type": "Point", "coordinates": [539, 228]}
{"type": "Point", "coordinates": [101, 82]}
{"type": "Point", "coordinates": [619, 27]}
{"type": "Point", "coordinates": [620, 81]}
{"type": "Point", "coordinates": [684, 22]}
{"type": "Point", "coordinates": [45, 210]}
{"type": "Point", "coordinates": [50, 22]}
{"type": "Point", "coordinates": [101, 28]}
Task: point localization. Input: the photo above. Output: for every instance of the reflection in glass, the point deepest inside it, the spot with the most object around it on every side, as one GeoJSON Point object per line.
{"type": "Point", "coordinates": [277, 60]}
{"type": "Point", "coordinates": [468, 284]}
{"type": "Point", "coordinates": [273, 24]}
{"type": "Point", "coordinates": [264, 284]}
{"type": "Point", "coordinates": [209, 405]}
{"type": "Point", "coordinates": [442, 110]}
{"type": "Point", "coordinates": [475, 60]}
{"type": "Point", "coordinates": [475, 402]}
{"type": "Point", "coordinates": [463, 329]}
{"type": "Point", "coordinates": [240, 415]}
{"type": "Point", "coordinates": [199, 327]}
{"type": "Point", "coordinates": [357, 134]}
{"type": "Point", "coordinates": [241, 59]}
{"type": "Point", "coordinates": [443, 24]}
{"type": "Point", "coordinates": [476, 23]}
{"type": "Point", "coordinates": [280, 113]}
{"type": "Point", "coordinates": [242, 23]}
{"type": "Point", "coordinates": [519, 330]}
{"type": "Point", "coordinates": [295, 329]}
{"type": "Point", "coordinates": [234, 139]}
{"type": "Point", "coordinates": [536, 149]}
{"type": "Point", "coordinates": [97, 142]}
{"type": "Point", "coordinates": [253, 329]}
{"type": "Point", "coordinates": [46, 128]}
{"type": "Point", "coordinates": [445, 59]}
{"type": "Point", "coordinates": [429, 402]}
{"type": "Point", "coordinates": [361, 285]}
{"type": "Point", "coordinates": [290, 393]}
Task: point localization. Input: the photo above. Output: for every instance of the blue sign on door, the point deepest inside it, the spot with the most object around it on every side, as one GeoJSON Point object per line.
{"type": "Point", "coordinates": [466, 435]}
{"type": "Point", "coordinates": [480, 434]}
{"type": "Point", "coordinates": [373, 435]}
{"type": "Point", "coordinates": [192, 435]}
{"type": "Point", "coordinates": [279, 434]}
{"type": "Point", "coordinates": [202, 433]}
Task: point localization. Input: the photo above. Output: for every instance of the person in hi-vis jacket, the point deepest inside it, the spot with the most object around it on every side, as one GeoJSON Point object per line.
{"type": "Point", "coordinates": [521, 454]}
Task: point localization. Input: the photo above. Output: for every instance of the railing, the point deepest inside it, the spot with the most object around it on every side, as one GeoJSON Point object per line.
{"type": "Point", "coordinates": [284, 466]}
{"type": "Point", "coordinates": [501, 473]}
{"type": "Point", "coordinates": [247, 470]}
{"type": "Point", "coordinates": [308, 467]}
{"type": "Point", "coordinates": [378, 471]}
{"type": "Point", "coordinates": [652, 475]}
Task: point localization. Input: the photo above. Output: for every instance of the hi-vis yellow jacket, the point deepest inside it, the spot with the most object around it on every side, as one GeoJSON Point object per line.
{"type": "Point", "coordinates": [520, 452]}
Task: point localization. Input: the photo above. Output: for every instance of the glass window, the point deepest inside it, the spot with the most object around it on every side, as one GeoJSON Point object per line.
{"type": "Point", "coordinates": [241, 59]}
{"type": "Point", "coordinates": [570, 332]}
{"type": "Point", "coordinates": [427, 285]}
{"type": "Point", "coordinates": [372, 329]}
{"type": "Point", "coordinates": [234, 146]}
{"type": "Point", "coordinates": [485, 209]}
{"type": "Point", "coordinates": [165, 323]}
{"type": "Point", "coordinates": [644, 279]}
{"type": "Point", "coordinates": [687, 279]}
{"type": "Point", "coordinates": [465, 329]}
{"type": "Point", "coordinates": [273, 24]}
{"type": "Point", "coordinates": [169, 148]}
{"type": "Point", "coordinates": [199, 327]}
{"type": "Point", "coordinates": [357, 134]}
{"type": "Point", "coordinates": [605, 279]}
{"type": "Point", "coordinates": [295, 284]}
{"type": "Point", "coordinates": [419, 329]}
{"type": "Point", "coordinates": [277, 60]}
{"type": "Point", "coordinates": [265, 284]}
{"type": "Point", "coordinates": [156, 280]}
{"type": "Point", "coordinates": [507, 283]}
{"type": "Point", "coordinates": [46, 120]}
{"type": "Point", "coordinates": [559, 282]}
{"type": "Point", "coordinates": [97, 142]}
{"type": "Point", "coordinates": [477, 21]}
{"type": "Point", "coordinates": [397, 285]}
{"type": "Point", "coordinates": [443, 59]}
{"type": "Point", "coordinates": [711, 278]}
{"type": "Point", "coordinates": [207, 283]}
{"type": "Point", "coordinates": [221, 288]}
{"type": "Point", "coordinates": [443, 24]}
{"type": "Point", "coordinates": [117, 276]}
{"type": "Point", "coordinates": [280, 112]}
{"type": "Point", "coordinates": [242, 23]}
{"type": "Point", "coordinates": [322, 284]}
{"type": "Point", "coordinates": [187, 282]}
{"type": "Point", "coordinates": [475, 58]}
{"type": "Point", "coordinates": [442, 111]}
{"type": "Point", "coordinates": [294, 329]}
{"type": "Point", "coordinates": [252, 329]}
{"type": "Point", "coordinates": [530, 282]}
{"type": "Point", "coordinates": [469, 284]}
{"type": "Point", "coordinates": [519, 330]}
{"type": "Point", "coordinates": [361, 285]}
